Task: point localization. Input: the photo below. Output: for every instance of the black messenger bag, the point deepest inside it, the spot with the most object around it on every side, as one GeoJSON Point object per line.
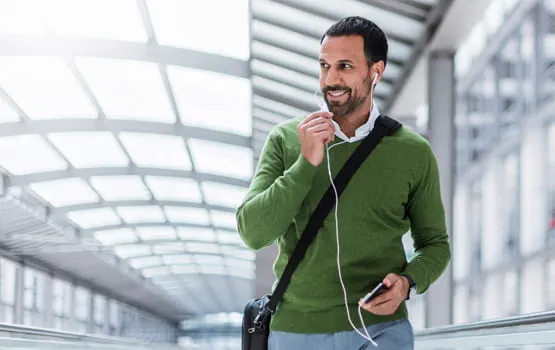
{"type": "Point", "coordinates": [258, 312]}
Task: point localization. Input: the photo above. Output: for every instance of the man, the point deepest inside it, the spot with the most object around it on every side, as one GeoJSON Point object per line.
{"type": "Point", "coordinates": [396, 189]}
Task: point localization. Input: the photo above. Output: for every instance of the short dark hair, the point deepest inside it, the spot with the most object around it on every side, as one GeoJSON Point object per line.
{"type": "Point", "coordinates": [375, 41]}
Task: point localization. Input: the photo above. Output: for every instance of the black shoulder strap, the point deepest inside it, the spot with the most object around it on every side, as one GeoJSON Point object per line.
{"type": "Point", "coordinates": [384, 126]}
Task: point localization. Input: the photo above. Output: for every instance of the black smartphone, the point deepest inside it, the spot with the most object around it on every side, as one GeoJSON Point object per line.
{"type": "Point", "coordinates": [379, 289]}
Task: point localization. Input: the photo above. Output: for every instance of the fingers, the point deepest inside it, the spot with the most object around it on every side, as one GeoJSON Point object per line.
{"type": "Point", "coordinates": [316, 122]}
{"type": "Point", "coordinates": [319, 127]}
{"type": "Point", "coordinates": [382, 298]}
{"type": "Point", "coordinates": [315, 115]}
{"type": "Point", "coordinates": [390, 280]}
{"type": "Point", "coordinates": [387, 308]}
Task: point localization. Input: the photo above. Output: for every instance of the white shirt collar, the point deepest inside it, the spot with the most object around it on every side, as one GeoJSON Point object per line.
{"type": "Point", "coordinates": [362, 130]}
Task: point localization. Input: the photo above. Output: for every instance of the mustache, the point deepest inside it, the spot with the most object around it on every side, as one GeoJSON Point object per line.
{"type": "Point", "coordinates": [335, 88]}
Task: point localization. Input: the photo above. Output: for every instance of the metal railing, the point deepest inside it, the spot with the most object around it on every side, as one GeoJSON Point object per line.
{"type": "Point", "coordinates": [524, 330]}
{"type": "Point", "coordinates": [25, 337]}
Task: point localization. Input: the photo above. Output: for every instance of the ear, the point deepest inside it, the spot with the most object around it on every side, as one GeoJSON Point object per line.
{"type": "Point", "coordinates": [377, 68]}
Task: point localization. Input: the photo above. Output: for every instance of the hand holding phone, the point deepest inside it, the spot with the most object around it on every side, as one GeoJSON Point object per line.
{"type": "Point", "coordinates": [379, 289]}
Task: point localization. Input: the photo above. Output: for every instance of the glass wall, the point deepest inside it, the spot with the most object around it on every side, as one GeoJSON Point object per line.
{"type": "Point", "coordinates": [504, 208]}
{"type": "Point", "coordinates": [53, 302]}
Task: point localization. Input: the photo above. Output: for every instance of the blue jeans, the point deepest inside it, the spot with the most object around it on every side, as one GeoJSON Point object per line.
{"type": "Point", "coordinates": [394, 335]}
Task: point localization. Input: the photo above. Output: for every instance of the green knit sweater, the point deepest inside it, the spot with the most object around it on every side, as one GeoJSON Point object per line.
{"type": "Point", "coordinates": [395, 189]}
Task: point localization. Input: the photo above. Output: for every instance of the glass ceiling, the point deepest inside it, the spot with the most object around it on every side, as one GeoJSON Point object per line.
{"type": "Point", "coordinates": [118, 116]}
{"type": "Point", "coordinates": [163, 202]}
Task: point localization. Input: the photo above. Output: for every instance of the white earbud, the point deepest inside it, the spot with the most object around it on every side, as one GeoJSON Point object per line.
{"type": "Point", "coordinates": [375, 81]}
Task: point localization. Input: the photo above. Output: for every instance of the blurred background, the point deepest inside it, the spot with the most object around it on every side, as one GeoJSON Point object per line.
{"type": "Point", "coordinates": [129, 131]}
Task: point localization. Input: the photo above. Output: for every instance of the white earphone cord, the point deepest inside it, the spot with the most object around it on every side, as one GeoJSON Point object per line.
{"type": "Point", "coordinates": [367, 335]}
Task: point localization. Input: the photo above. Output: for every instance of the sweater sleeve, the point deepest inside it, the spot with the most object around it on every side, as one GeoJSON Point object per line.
{"type": "Point", "coordinates": [428, 227]}
{"type": "Point", "coordinates": [274, 197]}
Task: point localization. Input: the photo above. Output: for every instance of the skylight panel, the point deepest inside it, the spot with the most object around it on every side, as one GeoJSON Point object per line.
{"type": "Point", "coordinates": [233, 161]}
{"type": "Point", "coordinates": [223, 194]}
{"type": "Point", "coordinates": [116, 236]}
{"type": "Point", "coordinates": [90, 149]}
{"type": "Point", "coordinates": [174, 189]}
{"type": "Point", "coordinates": [177, 23]}
{"type": "Point", "coordinates": [212, 100]}
{"type": "Point", "coordinates": [180, 215]}
{"type": "Point", "coordinates": [97, 217]}
{"type": "Point", "coordinates": [104, 19]}
{"type": "Point", "coordinates": [120, 188]}
{"type": "Point", "coordinates": [149, 261]}
{"type": "Point", "coordinates": [65, 192]}
{"type": "Point", "coordinates": [156, 233]}
{"type": "Point", "coordinates": [44, 88]}
{"type": "Point", "coordinates": [224, 219]}
{"type": "Point", "coordinates": [169, 248]}
{"type": "Point", "coordinates": [126, 89]}
{"type": "Point", "coordinates": [27, 154]}
{"type": "Point", "coordinates": [196, 234]}
{"type": "Point", "coordinates": [156, 151]}
{"type": "Point", "coordinates": [141, 214]}
{"type": "Point", "coordinates": [132, 250]}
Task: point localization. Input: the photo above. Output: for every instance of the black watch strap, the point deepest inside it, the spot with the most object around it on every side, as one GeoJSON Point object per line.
{"type": "Point", "coordinates": [412, 285]}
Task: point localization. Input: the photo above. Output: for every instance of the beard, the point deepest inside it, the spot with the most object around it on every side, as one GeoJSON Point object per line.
{"type": "Point", "coordinates": [354, 100]}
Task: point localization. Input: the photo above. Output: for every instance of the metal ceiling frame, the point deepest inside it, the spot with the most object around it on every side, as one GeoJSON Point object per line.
{"type": "Point", "coordinates": [89, 231]}
{"type": "Point", "coordinates": [87, 173]}
{"type": "Point", "coordinates": [67, 49]}
{"type": "Point", "coordinates": [43, 127]}
{"type": "Point", "coordinates": [106, 48]}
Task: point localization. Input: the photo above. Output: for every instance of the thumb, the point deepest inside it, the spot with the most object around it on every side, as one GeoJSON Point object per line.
{"type": "Point", "coordinates": [390, 279]}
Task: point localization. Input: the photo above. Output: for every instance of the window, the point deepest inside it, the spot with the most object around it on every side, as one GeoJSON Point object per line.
{"type": "Point", "coordinates": [114, 317]}
{"type": "Point", "coordinates": [7, 289]}
{"type": "Point", "coordinates": [33, 297]}
{"type": "Point", "coordinates": [532, 287]}
{"type": "Point", "coordinates": [491, 301]}
{"type": "Point", "coordinates": [8, 282]}
{"type": "Point", "coordinates": [61, 307]}
{"type": "Point", "coordinates": [82, 309]}
{"type": "Point", "coordinates": [99, 313]}
{"type": "Point", "coordinates": [460, 305]}
{"type": "Point", "coordinates": [510, 294]}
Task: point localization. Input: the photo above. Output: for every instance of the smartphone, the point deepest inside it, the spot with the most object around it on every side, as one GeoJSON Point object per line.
{"type": "Point", "coordinates": [379, 289]}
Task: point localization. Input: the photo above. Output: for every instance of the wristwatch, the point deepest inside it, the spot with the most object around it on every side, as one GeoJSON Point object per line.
{"type": "Point", "coordinates": [412, 285]}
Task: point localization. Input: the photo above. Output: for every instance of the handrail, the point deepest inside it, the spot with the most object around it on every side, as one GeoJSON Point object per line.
{"type": "Point", "coordinates": [520, 320]}
{"type": "Point", "coordinates": [529, 329]}
{"type": "Point", "coordinates": [67, 335]}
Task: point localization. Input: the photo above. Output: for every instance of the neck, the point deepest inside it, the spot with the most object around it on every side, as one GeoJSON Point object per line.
{"type": "Point", "coordinates": [351, 122]}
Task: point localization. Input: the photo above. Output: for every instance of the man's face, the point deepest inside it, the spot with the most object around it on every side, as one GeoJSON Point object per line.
{"type": "Point", "coordinates": [345, 78]}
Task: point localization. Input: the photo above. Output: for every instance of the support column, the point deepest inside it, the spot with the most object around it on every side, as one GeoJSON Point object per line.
{"type": "Point", "coordinates": [19, 293]}
{"type": "Point", "coordinates": [107, 301]}
{"type": "Point", "coordinates": [441, 102]}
